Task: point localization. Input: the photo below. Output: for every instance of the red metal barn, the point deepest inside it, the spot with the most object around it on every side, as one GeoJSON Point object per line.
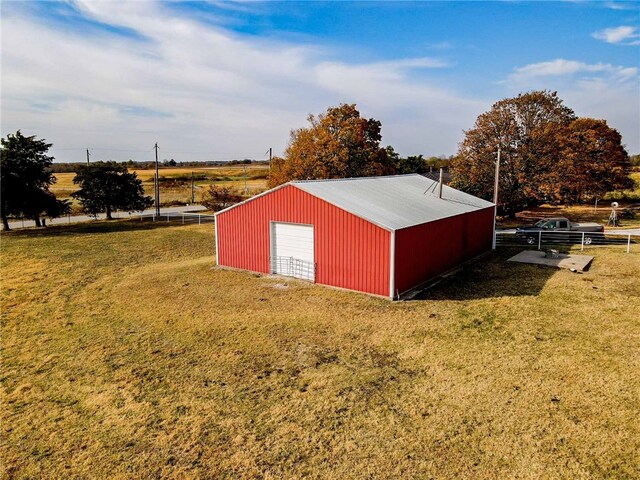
{"type": "Point", "coordinates": [379, 235]}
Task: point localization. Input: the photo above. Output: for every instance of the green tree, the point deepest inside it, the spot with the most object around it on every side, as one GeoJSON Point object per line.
{"type": "Point", "coordinates": [337, 144]}
{"type": "Point", "coordinates": [436, 163]}
{"type": "Point", "coordinates": [406, 165]}
{"type": "Point", "coordinates": [109, 186]}
{"type": "Point", "coordinates": [25, 178]}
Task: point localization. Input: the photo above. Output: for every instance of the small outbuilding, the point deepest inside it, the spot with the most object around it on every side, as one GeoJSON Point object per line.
{"type": "Point", "coordinates": [379, 235]}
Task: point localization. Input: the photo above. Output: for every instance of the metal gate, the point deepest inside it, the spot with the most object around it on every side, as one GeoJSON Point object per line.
{"type": "Point", "coordinates": [293, 267]}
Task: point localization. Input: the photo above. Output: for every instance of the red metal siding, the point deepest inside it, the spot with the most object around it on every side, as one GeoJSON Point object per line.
{"type": "Point", "coordinates": [349, 251]}
{"type": "Point", "coordinates": [425, 251]}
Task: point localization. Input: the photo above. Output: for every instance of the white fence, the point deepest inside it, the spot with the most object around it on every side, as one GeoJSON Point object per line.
{"type": "Point", "coordinates": [542, 239]}
{"type": "Point", "coordinates": [179, 217]}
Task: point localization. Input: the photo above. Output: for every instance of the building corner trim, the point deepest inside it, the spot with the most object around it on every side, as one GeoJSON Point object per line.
{"type": "Point", "coordinates": [392, 265]}
{"type": "Point", "coordinates": [216, 241]}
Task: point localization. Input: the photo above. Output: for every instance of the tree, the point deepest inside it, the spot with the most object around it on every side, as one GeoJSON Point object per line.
{"type": "Point", "coordinates": [435, 163]}
{"type": "Point", "coordinates": [337, 144]}
{"type": "Point", "coordinates": [218, 198]}
{"type": "Point", "coordinates": [25, 178]}
{"type": "Point", "coordinates": [588, 161]}
{"type": "Point", "coordinates": [54, 208]}
{"type": "Point", "coordinates": [108, 186]}
{"type": "Point", "coordinates": [519, 126]}
{"type": "Point", "coordinates": [547, 154]}
{"type": "Point", "coordinates": [406, 165]}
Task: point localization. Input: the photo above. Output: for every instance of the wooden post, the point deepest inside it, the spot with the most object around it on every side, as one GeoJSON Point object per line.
{"type": "Point", "coordinates": [193, 195]}
{"type": "Point", "coordinates": [157, 192]}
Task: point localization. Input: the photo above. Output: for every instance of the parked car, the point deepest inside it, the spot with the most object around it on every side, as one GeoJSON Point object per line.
{"type": "Point", "coordinates": [545, 228]}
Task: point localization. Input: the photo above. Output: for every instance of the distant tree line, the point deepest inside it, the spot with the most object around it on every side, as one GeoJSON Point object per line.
{"type": "Point", "coordinates": [72, 167]}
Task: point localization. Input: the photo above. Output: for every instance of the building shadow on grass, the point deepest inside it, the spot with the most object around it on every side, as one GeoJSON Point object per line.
{"type": "Point", "coordinates": [93, 227]}
{"type": "Point", "coordinates": [489, 277]}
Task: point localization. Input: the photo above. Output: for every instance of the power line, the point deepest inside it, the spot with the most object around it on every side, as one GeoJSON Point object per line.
{"type": "Point", "coordinates": [236, 154]}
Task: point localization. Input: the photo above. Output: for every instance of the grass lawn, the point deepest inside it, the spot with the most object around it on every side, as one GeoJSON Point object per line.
{"type": "Point", "coordinates": [127, 354]}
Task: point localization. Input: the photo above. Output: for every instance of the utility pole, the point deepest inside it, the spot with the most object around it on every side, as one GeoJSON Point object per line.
{"type": "Point", "coordinates": [246, 190]}
{"type": "Point", "coordinates": [495, 197]}
{"type": "Point", "coordinates": [440, 183]}
{"type": "Point", "coordinates": [193, 195]}
{"type": "Point", "coordinates": [270, 151]}
{"type": "Point", "coordinates": [157, 183]}
{"type": "Point", "coordinates": [88, 155]}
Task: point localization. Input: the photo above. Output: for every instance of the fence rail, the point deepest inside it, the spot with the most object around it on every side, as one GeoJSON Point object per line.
{"type": "Point", "coordinates": [541, 240]}
{"type": "Point", "coordinates": [180, 217]}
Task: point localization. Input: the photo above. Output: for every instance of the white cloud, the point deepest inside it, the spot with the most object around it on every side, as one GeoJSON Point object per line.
{"type": "Point", "coordinates": [200, 88]}
{"type": "Point", "coordinates": [623, 5]}
{"type": "Point", "coordinates": [560, 67]}
{"type": "Point", "coordinates": [592, 90]}
{"type": "Point", "coordinates": [623, 35]}
{"type": "Point", "coordinates": [204, 93]}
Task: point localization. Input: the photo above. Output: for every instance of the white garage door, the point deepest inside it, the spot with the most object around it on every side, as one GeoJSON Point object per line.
{"type": "Point", "coordinates": [292, 250]}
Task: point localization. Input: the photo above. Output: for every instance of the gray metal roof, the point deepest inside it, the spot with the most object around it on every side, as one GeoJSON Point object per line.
{"type": "Point", "coordinates": [393, 202]}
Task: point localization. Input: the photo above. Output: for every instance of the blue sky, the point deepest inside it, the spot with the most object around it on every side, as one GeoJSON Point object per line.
{"type": "Point", "coordinates": [221, 80]}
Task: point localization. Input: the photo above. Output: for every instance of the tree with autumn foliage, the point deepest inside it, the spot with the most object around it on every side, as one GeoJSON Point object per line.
{"type": "Point", "coordinates": [337, 144]}
{"type": "Point", "coordinates": [547, 154]}
{"type": "Point", "coordinates": [218, 198]}
{"type": "Point", "coordinates": [587, 161]}
{"type": "Point", "coordinates": [513, 124]}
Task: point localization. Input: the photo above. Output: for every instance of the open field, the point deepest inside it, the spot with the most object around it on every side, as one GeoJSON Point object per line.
{"type": "Point", "coordinates": [126, 354]}
{"type": "Point", "coordinates": [175, 183]}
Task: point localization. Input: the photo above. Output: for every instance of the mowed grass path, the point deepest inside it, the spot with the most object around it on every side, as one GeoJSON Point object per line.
{"type": "Point", "coordinates": [127, 354]}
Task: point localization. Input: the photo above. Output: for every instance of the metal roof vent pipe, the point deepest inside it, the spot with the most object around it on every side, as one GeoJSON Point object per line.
{"type": "Point", "coordinates": [441, 180]}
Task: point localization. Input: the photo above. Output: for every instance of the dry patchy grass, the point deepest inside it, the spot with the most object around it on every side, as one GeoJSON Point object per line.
{"type": "Point", "coordinates": [127, 354]}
